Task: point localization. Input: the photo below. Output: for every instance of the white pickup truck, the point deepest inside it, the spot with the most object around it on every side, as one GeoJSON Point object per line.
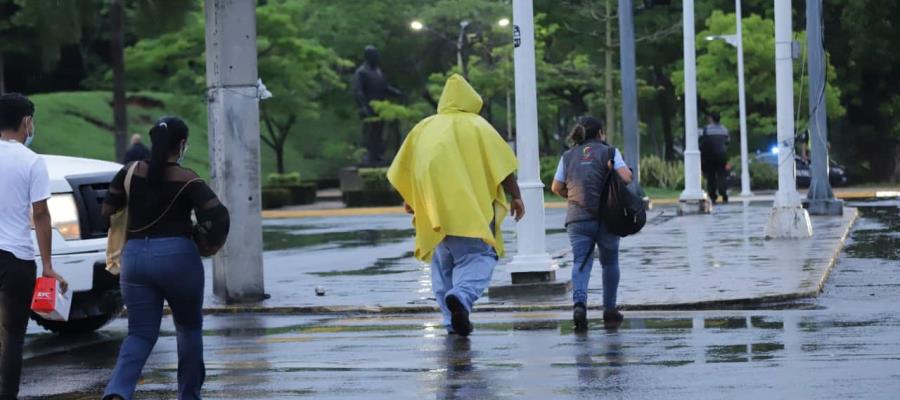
{"type": "Point", "coordinates": [79, 186]}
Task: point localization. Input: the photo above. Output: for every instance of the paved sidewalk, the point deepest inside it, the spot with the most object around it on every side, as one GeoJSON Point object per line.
{"type": "Point", "coordinates": [365, 263]}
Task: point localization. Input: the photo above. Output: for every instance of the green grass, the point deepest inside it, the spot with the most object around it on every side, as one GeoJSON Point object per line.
{"type": "Point", "coordinates": [79, 124]}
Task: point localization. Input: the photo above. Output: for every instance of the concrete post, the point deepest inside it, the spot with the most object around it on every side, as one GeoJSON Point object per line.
{"type": "Point", "coordinates": [231, 76]}
{"type": "Point", "coordinates": [532, 263]}
{"type": "Point", "coordinates": [745, 165]}
{"type": "Point", "coordinates": [787, 218]}
{"type": "Point", "coordinates": [629, 87]}
{"type": "Point", "coordinates": [820, 198]}
{"type": "Point", "coordinates": [693, 200]}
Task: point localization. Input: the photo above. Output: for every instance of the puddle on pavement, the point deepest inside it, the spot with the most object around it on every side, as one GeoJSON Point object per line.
{"type": "Point", "coordinates": [877, 234]}
{"type": "Point", "coordinates": [280, 238]}
{"type": "Point", "coordinates": [382, 266]}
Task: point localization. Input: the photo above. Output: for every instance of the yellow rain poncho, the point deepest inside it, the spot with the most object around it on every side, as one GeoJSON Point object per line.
{"type": "Point", "coordinates": [449, 170]}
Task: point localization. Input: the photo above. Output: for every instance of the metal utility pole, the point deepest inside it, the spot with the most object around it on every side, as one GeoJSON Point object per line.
{"type": "Point", "coordinates": [609, 99]}
{"type": "Point", "coordinates": [460, 43]}
{"type": "Point", "coordinates": [629, 86]}
{"type": "Point", "coordinates": [693, 200]}
{"type": "Point", "coordinates": [787, 219]}
{"type": "Point", "coordinates": [231, 76]}
{"type": "Point", "coordinates": [117, 55]}
{"type": "Point", "coordinates": [745, 165]}
{"type": "Point", "coordinates": [820, 199]}
{"type": "Point", "coordinates": [532, 263]}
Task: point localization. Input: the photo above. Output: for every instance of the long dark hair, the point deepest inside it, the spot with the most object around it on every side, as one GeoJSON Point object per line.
{"type": "Point", "coordinates": [166, 136]}
{"type": "Point", "coordinates": [587, 128]}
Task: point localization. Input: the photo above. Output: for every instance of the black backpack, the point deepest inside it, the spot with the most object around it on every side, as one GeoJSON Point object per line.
{"type": "Point", "coordinates": [622, 205]}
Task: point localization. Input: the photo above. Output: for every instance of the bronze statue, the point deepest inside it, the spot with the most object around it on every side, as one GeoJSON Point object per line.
{"type": "Point", "coordinates": [370, 84]}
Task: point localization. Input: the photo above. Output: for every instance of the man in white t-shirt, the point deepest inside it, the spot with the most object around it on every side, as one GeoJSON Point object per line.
{"type": "Point", "coordinates": [24, 186]}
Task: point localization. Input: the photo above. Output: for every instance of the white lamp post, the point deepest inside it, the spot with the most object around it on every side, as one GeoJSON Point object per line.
{"type": "Point", "coordinates": [693, 200]}
{"type": "Point", "coordinates": [788, 219]}
{"type": "Point", "coordinates": [737, 40]}
{"type": "Point", "coordinates": [532, 263]}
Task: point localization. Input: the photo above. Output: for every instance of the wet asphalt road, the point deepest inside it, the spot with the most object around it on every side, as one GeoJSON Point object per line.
{"type": "Point", "coordinates": [844, 344]}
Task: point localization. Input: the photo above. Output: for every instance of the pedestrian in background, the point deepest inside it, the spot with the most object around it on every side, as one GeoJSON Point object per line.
{"type": "Point", "coordinates": [137, 151]}
{"type": "Point", "coordinates": [160, 260]}
{"type": "Point", "coordinates": [454, 171]}
{"type": "Point", "coordinates": [24, 190]}
{"type": "Point", "coordinates": [580, 179]}
{"type": "Point", "coordinates": [714, 157]}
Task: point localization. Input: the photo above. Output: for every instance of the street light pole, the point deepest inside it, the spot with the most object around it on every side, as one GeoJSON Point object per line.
{"type": "Point", "coordinates": [693, 200]}
{"type": "Point", "coordinates": [745, 165]}
{"type": "Point", "coordinates": [787, 218]}
{"type": "Point", "coordinates": [629, 87]}
{"type": "Point", "coordinates": [532, 263]}
{"type": "Point", "coordinates": [459, 48]}
{"type": "Point", "coordinates": [820, 199]}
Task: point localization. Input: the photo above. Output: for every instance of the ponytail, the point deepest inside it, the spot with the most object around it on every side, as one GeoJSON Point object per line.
{"type": "Point", "coordinates": [587, 128]}
{"type": "Point", "coordinates": [165, 136]}
{"type": "Point", "coordinates": [159, 154]}
{"type": "Point", "coordinates": [577, 136]}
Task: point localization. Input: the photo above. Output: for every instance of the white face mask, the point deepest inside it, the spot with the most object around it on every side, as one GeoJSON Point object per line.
{"type": "Point", "coordinates": [184, 149]}
{"type": "Point", "coordinates": [30, 138]}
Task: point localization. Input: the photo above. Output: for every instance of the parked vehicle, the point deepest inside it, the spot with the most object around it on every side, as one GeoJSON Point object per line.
{"type": "Point", "coordinates": [837, 174]}
{"type": "Point", "coordinates": [78, 187]}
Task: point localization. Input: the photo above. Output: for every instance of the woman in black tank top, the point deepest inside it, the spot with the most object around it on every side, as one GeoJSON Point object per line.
{"type": "Point", "coordinates": [161, 260]}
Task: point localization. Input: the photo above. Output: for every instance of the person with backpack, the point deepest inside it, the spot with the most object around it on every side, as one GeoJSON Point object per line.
{"type": "Point", "coordinates": [714, 157]}
{"type": "Point", "coordinates": [161, 259]}
{"type": "Point", "coordinates": [580, 178]}
{"type": "Point", "coordinates": [24, 190]}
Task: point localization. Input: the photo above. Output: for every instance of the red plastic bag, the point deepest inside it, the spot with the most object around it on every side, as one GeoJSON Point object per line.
{"type": "Point", "coordinates": [49, 301]}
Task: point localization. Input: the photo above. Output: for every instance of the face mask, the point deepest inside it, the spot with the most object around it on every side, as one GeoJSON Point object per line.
{"type": "Point", "coordinates": [30, 137]}
{"type": "Point", "coordinates": [184, 149]}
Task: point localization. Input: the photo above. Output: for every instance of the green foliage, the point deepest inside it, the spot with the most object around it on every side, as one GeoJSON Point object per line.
{"type": "Point", "coordinates": [656, 172]}
{"type": "Point", "coordinates": [548, 169]}
{"type": "Point", "coordinates": [282, 180]}
{"type": "Point", "coordinates": [375, 179]}
{"type": "Point", "coordinates": [275, 198]}
{"type": "Point", "coordinates": [763, 176]}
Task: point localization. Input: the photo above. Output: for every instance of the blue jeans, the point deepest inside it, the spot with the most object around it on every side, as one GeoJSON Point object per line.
{"type": "Point", "coordinates": [461, 267]}
{"type": "Point", "coordinates": [584, 236]}
{"type": "Point", "coordinates": [154, 270]}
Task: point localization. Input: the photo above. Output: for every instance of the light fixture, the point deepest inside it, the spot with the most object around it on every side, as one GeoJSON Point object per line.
{"type": "Point", "coordinates": [416, 25]}
{"type": "Point", "coordinates": [503, 22]}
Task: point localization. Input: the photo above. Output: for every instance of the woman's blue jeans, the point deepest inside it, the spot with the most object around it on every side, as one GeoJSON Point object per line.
{"type": "Point", "coordinates": [154, 270]}
{"type": "Point", "coordinates": [584, 236]}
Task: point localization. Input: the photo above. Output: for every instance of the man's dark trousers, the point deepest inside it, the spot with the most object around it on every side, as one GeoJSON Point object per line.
{"type": "Point", "coordinates": [716, 176]}
{"type": "Point", "coordinates": [16, 287]}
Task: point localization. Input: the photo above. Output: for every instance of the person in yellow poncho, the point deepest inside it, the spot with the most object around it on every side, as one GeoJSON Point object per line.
{"type": "Point", "coordinates": [453, 171]}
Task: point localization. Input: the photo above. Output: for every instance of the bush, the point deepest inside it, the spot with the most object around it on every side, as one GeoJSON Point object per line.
{"type": "Point", "coordinates": [275, 198]}
{"type": "Point", "coordinates": [548, 169]}
{"type": "Point", "coordinates": [656, 172]}
{"type": "Point", "coordinates": [763, 176]}
{"type": "Point", "coordinates": [300, 193]}
{"type": "Point", "coordinates": [375, 179]}
{"type": "Point", "coordinates": [283, 180]}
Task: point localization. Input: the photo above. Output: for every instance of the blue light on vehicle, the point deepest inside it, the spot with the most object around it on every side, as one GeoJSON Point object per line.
{"type": "Point", "coordinates": [775, 149]}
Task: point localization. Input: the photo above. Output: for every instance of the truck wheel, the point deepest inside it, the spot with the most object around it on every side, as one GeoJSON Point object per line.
{"type": "Point", "coordinates": [91, 310]}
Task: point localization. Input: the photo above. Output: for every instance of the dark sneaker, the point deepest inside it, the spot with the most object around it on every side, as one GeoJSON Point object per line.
{"type": "Point", "coordinates": [459, 316]}
{"type": "Point", "coordinates": [612, 319]}
{"type": "Point", "coordinates": [579, 316]}
{"type": "Point", "coordinates": [725, 199]}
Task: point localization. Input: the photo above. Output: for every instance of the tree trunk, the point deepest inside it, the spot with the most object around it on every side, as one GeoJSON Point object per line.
{"type": "Point", "coordinates": [279, 157]}
{"type": "Point", "coordinates": [665, 100]}
{"type": "Point", "coordinates": [2, 75]}
{"type": "Point", "coordinates": [608, 93]}
{"type": "Point", "coordinates": [117, 46]}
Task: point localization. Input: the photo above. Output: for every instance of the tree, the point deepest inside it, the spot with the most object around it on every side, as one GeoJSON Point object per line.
{"type": "Point", "coordinates": [298, 70]}
{"type": "Point", "coordinates": [717, 75]}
